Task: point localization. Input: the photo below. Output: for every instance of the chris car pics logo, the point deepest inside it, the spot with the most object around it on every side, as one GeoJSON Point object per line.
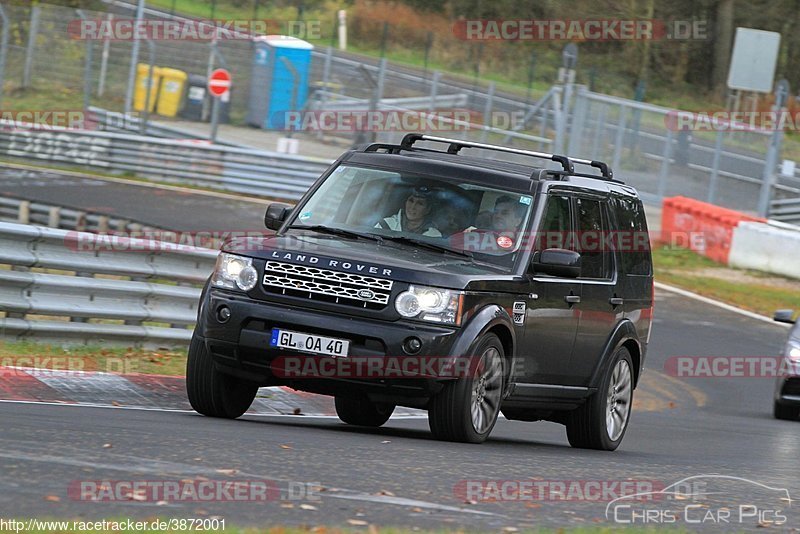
{"type": "Point", "coordinates": [718, 500]}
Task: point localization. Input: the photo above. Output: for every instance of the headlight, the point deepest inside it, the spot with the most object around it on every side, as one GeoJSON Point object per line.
{"type": "Point", "coordinates": [234, 272]}
{"type": "Point", "coordinates": [793, 350]}
{"type": "Point", "coordinates": [430, 304]}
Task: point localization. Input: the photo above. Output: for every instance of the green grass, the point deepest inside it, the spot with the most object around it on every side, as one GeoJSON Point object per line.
{"type": "Point", "coordinates": [684, 268]}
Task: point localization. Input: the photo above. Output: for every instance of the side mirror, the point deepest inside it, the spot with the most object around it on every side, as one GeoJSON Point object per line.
{"type": "Point", "coordinates": [784, 316]}
{"type": "Point", "coordinates": [276, 215]}
{"type": "Point", "coordinates": [557, 262]}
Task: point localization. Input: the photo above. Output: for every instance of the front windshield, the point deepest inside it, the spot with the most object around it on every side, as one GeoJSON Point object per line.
{"type": "Point", "coordinates": [484, 222]}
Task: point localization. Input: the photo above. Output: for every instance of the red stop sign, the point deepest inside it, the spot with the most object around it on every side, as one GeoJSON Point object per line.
{"type": "Point", "coordinates": [219, 82]}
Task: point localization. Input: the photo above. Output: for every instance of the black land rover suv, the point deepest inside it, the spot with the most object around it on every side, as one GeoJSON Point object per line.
{"type": "Point", "coordinates": [426, 278]}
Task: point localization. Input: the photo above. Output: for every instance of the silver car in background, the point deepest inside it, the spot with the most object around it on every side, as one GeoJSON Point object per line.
{"type": "Point", "coordinates": [787, 387]}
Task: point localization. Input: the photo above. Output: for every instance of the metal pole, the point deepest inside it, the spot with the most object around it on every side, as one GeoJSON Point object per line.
{"type": "Point", "coordinates": [134, 60]}
{"type": "Point", "coordinates": [383, 38]}
{"type": "Point", "coordinates": [578, 120]}
{"type": "Point", "coordinates": [487, 112]}
{"type": "Point", "coordinates": [101, 84]}
{"type": "Point", "coordinates": [214, 118]}
{"type": "Point", "coordinates": [781, 94]}
{"type": "Point", "coordinates": [295, 86]}
{"type": "Point", "coordinates": [209, 69]}
{"type": "Point", "coordinates": [146, 113]}
{"type": "Point", "coordinates": [769, 172]}
{"type": "Point", "coordinates": [87, 69]}
{"type": "Point", "coordinates": [599, 128]}
{"type": "Point", "coordinates": [434, 90]}
{"type": "Point", "coordinates": [3, 50]}
{"type": "Point", "coordinates": [31, 50]}
{"type": "Point", "coordinates": [428, 45]}
{"type": "Point", "coordinates": [531, 70]}
{"type": "Point", "coordinates": [665, 162]}
{"type": "Point", "coordinates": [623, 112]}
{"type": "Point", "coordinates": [712, 186]}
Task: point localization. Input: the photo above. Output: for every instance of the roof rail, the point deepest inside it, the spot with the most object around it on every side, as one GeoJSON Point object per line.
{"type": "Point", "coordinates": [455, 145]}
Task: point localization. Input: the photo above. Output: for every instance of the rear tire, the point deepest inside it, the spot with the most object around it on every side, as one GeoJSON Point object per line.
{"type": "Point", "coordinates": [362, 411]}
{"type": "Point", "coordinates": [787, 413]}
{"type": "Point", "coordinates": [466, 409]}
{"type": "Point", "coordinates": [212, 393]}
{"type": "Point", "coordinates": [603, 419]}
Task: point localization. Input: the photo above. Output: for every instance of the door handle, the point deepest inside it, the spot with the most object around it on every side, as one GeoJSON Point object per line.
{"type": "Point", "coordinates": [572, 299]}
{"type": "Point", "coordinates": [616, 301]}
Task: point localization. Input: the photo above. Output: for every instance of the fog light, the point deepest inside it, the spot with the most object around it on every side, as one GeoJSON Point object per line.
{"type": "Point", "coordinates": [412, 345]}
{"type": "Point", "coordinates": [223, 314]}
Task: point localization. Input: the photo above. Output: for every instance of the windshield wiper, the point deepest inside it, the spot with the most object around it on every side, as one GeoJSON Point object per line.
{"type": "Point", "coordinates": [428, 245]}
{"type": "Point", "coordinates": [337, 231]}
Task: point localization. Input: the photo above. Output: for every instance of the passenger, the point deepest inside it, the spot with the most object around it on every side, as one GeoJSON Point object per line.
{"type": "Point", "coordinates": [508, 215]}
{"type": "Point", "coordinates": [414, 216]}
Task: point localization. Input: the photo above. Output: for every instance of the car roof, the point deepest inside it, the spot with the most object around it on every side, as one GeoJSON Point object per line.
{"type": "Point", "coordinates": [481, 170]}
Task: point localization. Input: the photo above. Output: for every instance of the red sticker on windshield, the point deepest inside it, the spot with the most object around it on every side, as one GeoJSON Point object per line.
{"type": "Point", "coordinates": [504, 241]}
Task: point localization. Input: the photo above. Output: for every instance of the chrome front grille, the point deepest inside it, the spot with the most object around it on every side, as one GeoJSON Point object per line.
{"type": "Point", "coordinates": [326, 285]}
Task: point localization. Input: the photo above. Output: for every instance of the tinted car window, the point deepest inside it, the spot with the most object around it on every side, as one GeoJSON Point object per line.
{"type": "Point", "coordinates": [633, 240]}
{"type": "Point", "coordinates": [555, 228]}
{"type": "Point", "coordinates": [595, 257]}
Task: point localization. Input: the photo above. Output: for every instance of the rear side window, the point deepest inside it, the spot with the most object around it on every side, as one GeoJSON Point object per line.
{"type": "Point", "coordinates": [633, 240]}
{"type": "Point", "coordinates": [556, 224]}
{"type": "Point", "coordinates": [592, 226]}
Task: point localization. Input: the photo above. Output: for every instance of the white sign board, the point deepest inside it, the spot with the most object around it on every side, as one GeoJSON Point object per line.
{"type": "Point", "coordinates": [755, 54]}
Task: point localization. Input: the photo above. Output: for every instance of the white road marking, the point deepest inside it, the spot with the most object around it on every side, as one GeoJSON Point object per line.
{"type": "Point", "coordinates": [718, 304]}
{"type": "Point", "coordinates": [152, 466]}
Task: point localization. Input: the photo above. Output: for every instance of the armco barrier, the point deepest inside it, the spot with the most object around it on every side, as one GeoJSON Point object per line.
{"type": "Point", "coordinates": [773, 248]}
{"type": "Point", "coordinates": [140, 292]}
{"type": "Point", "coordinates": [713, 225]}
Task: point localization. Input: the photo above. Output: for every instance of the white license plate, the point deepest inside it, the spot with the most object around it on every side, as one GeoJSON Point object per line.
{"type": "Point", "coordinates": [329, 346]}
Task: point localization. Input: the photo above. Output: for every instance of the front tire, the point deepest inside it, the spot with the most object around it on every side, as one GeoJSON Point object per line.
{"type": "Point", "coordinates": [602, 421]}
{"type": "Point", "coordinates": [786, 413]}
{"type": "Point", "coordinates": [212, 393]}
{"type": "Point", "coordinates": [466, 409]}
{"type": "Point", "coordinates": [362, 411]}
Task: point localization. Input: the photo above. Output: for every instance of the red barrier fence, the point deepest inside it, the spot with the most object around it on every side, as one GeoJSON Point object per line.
{"type": "Point", "coordinates": [713, 223]}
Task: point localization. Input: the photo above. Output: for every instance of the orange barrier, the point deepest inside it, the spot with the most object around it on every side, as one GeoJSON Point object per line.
{"type": "Point", "coordinates": [704, 228]}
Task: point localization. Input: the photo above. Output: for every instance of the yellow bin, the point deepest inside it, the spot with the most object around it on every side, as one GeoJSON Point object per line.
{"type": "Point", "coordinates": [140, 94]}
{"type": "Point", "coordinates": [170, 96]}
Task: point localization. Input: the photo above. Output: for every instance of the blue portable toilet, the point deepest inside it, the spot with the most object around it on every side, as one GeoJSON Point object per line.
{"type": "Point", "coordinates": [272, 85]}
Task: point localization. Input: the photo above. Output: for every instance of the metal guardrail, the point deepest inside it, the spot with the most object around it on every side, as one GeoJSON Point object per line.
{"type": "Point", "coordinates": [115, 121]}
{"type": "Point", "coordinates": [28, 212]}
{"type": "Point", "coordinates": [331, 101]}
{"type": "Point", "coordinates": [785, 210]}
{"type": "Point", "coordinates": [243, 170]}
{"type": "Point", "coordinates": [138, 291]}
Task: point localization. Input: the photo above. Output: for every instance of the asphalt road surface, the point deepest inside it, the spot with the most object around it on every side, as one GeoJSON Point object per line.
{"type": "Point", "coordinates": [174, 208]}
{"type": "Point", "coordinates": [399, 475]}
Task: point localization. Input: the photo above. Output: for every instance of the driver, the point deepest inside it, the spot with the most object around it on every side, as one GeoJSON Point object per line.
{"type": "Point", "coordinates": [414, 216]}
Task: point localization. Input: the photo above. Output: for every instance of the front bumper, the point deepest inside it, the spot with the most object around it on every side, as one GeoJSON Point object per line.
{"type": "Point", "coordinates": [241, 347]}
{"type": "Point", "coordinates": [787, 387]}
